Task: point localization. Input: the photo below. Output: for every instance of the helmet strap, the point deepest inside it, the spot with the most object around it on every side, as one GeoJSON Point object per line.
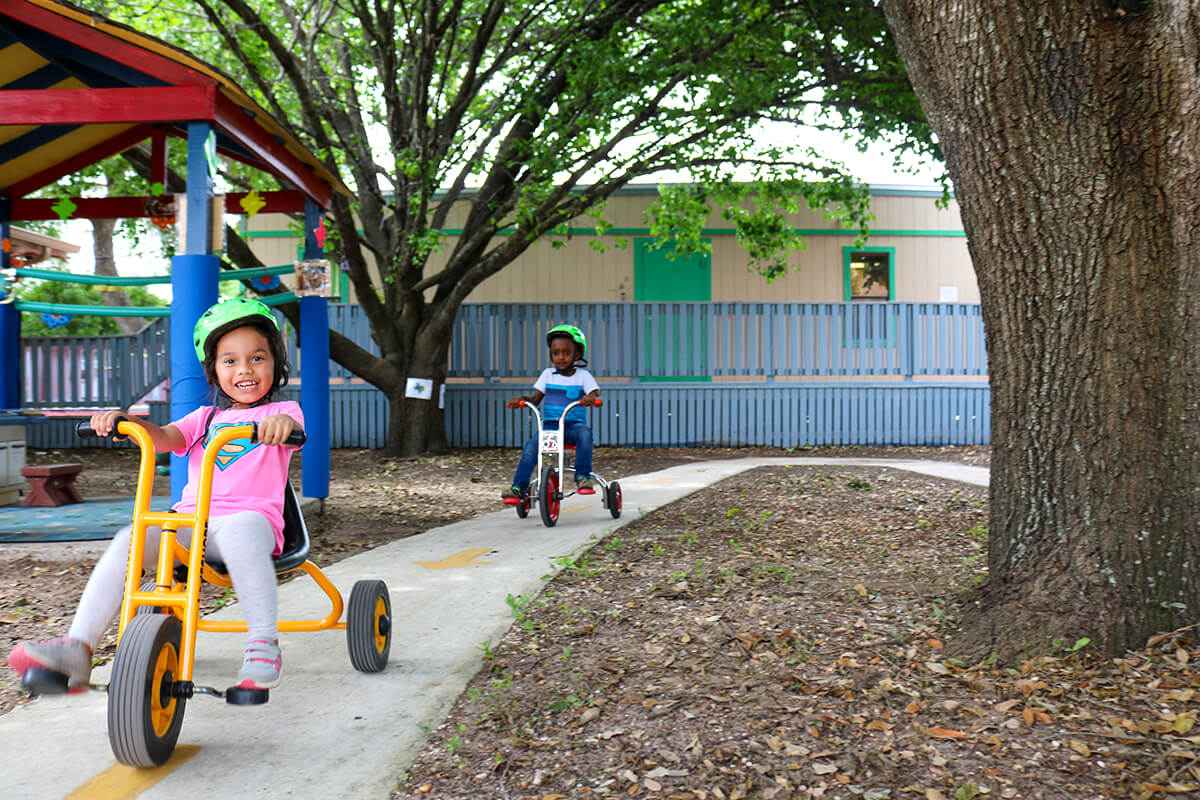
{"type": "Point", "coordinates": [223, 401]}
{"type": "Point", "coordinates": [582, 362]}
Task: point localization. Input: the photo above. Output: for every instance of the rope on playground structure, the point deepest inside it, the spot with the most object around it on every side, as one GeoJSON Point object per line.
{"type": "Point", "coordinates": [129, 311]}
{"type": "Point", "coordinates": [11, 274]}
{"type": "Point", "coordinates": [116, 280]}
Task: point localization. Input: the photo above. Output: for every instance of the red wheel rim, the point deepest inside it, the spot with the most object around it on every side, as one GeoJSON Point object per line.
{"type": "Point", "coordinates": [552, 495]}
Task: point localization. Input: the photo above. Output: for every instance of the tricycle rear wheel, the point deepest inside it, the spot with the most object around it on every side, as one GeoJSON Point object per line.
{"type": "Point", "coordinates": [369, 625]}
{"type": "Point", "coordinates": [613, 497]}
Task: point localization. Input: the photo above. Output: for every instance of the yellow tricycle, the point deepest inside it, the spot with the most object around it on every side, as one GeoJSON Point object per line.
{"type": "Point", "coordinates": [151, 679]}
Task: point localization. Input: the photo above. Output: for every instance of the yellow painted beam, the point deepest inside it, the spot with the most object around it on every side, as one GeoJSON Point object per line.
{"type": "Point", "coordinates": [17, 61]}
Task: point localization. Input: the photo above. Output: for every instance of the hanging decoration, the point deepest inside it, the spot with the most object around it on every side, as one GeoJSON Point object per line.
{"type": "Point", "coordinates": [252, 203]}
{"type": "Point", "coordinates": [312, 278]}
{"type": "Point", "coordinates": [161, 211]}
{"type": "Point", "coordinates": [56, 320]}
{"type": "Point", "coordinates": [265, 283]}
{"type": "Point", "coordinates": [65, 207]}
{"type": "Point", "coordinates": [160, 208]}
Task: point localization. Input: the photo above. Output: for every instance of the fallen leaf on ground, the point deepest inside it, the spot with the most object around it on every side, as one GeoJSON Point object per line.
{"type": "Point", "coordinates": [946, 733]}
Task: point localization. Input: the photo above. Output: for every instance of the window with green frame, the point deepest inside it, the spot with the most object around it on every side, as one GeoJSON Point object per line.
{"type": "Point", "coordinates": [869, 276]}
{"type": "Point", "coordinates": [869, 273]}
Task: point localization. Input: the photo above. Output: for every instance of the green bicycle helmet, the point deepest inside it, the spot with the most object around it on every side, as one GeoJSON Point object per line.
{"type": "Point", "coordinates": [224, 312]}
{"type": "Point", "coordinates": [573, 332]}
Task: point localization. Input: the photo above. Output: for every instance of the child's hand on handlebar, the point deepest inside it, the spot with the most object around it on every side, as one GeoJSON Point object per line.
{"type": "Point", "coordinates": [275, 429]}
{"type": "Point", "coordinates": [515, 402]}
{"type": "Point", "coordinates": [105, 422]}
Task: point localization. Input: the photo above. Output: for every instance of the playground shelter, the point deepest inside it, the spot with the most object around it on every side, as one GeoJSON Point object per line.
{"type": "Point", "coordinates": [76, 88]}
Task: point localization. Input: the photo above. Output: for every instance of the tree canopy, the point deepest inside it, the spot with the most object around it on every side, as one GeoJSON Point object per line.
{"type": "Point", "coordinates": [514, 118]}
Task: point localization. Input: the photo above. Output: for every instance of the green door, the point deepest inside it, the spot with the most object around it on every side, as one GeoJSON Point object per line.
{"type": "Point", "coordinates": [673, 338]}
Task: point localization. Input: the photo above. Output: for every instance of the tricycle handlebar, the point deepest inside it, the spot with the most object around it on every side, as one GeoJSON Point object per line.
{"type": "Point", "coordinates": [84, 430]}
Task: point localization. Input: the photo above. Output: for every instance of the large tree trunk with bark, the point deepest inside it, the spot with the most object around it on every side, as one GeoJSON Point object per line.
{"type": "Point", "coordinates": [1072, 134]}
{"type": "Point", "coordinates": [416, 424]}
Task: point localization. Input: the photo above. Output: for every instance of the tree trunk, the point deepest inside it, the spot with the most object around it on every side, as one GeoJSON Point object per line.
{"type": "Point", "coordinates": [102, 246]}
{"type": "Point", "coordinates": [1072, 136]}
{"type": "Point", "coordinates": [417, 425]}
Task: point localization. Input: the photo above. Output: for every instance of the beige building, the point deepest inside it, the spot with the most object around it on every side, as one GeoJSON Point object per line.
{"type": "Point", "coordinates": [916, 252]}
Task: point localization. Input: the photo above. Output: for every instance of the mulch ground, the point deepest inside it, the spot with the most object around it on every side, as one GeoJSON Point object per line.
{"type": "Point", "coordinates": [781, 635]}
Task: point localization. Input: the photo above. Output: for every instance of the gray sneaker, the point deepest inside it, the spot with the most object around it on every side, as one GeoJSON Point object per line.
{"type": "Point", "coordinates": [262, 662]}
{"type": "Point", "coordinates": [68, 656]}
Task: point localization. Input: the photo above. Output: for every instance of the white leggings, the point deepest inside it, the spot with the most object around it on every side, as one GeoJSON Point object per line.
{"type": "Point", "coordinates": [244, 541]}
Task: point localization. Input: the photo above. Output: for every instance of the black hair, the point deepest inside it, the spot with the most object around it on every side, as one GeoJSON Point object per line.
{"type": "Point", "coordinates": [274, 342]}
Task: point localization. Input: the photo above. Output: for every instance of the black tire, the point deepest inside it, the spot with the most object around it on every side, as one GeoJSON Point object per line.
{"type": "Point", "coordinates": [148, 585]}
{"type": "Point", "coordinates": [369, 626]}
{"type": "Point", "coordinates": [523, 506]}
{"type": "Point", "coordinates": [549, 496]}
{"type": "Point", "coordinates": [143, 717]}
{"type": "Point", "coordinates": [613, 495]}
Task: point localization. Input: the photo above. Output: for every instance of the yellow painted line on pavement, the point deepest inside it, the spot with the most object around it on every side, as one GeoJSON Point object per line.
{"type": "Point", "coordinates": [464, 558]}
{"type": "Point", "coordinates": [120, 782]}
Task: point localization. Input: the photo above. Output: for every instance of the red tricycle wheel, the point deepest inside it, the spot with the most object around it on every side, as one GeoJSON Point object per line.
{"type": "Point", "coordinates": [549, 497]}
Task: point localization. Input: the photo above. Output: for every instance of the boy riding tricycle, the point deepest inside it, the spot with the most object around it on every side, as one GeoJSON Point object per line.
{"type": "Point", "coordinates": [567, 388]}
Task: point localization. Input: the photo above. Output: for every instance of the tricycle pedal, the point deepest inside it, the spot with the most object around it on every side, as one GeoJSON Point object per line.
{"type": "Point", "coordinates": [237, 696]}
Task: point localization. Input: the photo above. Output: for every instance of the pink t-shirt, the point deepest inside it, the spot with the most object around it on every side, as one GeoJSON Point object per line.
{"type": "Point", "coordinates": [248, 477]}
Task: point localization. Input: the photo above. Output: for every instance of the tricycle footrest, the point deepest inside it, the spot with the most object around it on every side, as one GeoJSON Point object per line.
{"type": "Point", "coordinates": [39, 680]}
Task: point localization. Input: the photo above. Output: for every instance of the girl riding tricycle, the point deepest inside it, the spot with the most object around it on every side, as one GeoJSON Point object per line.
{"type": "Point", "coordinates": [237, 524]}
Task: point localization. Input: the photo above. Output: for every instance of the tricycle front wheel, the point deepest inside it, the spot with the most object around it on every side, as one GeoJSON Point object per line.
{"type": "Point", "coordinates": [144, 715]}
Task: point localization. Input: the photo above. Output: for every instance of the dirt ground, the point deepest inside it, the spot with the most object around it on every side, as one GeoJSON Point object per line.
{"type": "Point", "coordinates": [778, 635]}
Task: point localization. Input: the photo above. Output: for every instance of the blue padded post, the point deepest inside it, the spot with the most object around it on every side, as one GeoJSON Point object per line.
{"type": "Point", "coordinates": [10, 326]}
{"type": "Point", "coordinates": [193, 290]}
{"type": "Point", "coordinates": [314, 372]}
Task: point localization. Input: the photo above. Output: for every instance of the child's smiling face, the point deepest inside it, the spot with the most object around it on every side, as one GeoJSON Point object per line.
{"type": "Point", "coordinates": [562, 353]}
{"type": "Point", "coordinates": [244, 366]}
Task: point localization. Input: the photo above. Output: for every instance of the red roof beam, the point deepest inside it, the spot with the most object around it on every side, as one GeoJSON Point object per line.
{"type": "Point", "coordinates": [239, 124]}
{"type": "Point", "coordinates": [107, 106]}
{"type": "Point", "coordinates": [39, 208]}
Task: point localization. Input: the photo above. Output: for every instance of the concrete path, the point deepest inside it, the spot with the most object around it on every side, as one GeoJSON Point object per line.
{"type": "Point", "coordinates": [329, 731]}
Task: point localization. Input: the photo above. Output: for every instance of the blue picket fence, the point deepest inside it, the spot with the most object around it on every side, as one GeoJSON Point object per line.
{"type": "Point", "coordinates": [778, 350]}
{"type": "Point", "coordinates": [670, 340]}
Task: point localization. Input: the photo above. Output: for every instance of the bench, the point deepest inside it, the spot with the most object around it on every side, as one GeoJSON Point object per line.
{"type": "Point", "coordinates": [51, 484]}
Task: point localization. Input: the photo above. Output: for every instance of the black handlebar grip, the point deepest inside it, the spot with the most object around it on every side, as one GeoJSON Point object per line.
{"type": "Point", "coordinates": [84, 430]}
{"type": "Point", "coordinates": [296, 438]}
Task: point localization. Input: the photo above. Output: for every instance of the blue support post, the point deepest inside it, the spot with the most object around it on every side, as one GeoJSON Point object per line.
{"type": "Point", "coordinates": [193, 289]}
{"type": "Point", "coordinates": [314, 371]}
{"type": "Point", "coordinates": [10, 326]}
